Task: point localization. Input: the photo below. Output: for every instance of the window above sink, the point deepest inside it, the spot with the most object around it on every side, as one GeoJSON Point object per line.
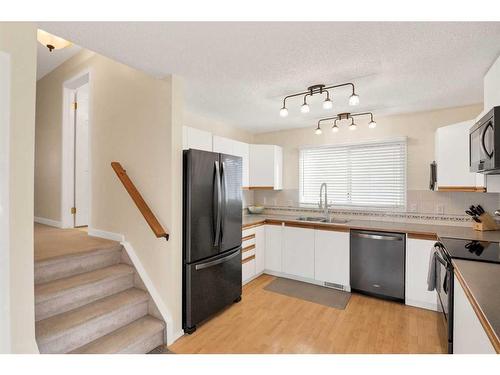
{"type": "Point", "coordinates": [368, 174]}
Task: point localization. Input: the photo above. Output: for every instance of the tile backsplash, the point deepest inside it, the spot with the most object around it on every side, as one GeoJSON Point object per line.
{"type": "Point", "coordinates": [418, 201]}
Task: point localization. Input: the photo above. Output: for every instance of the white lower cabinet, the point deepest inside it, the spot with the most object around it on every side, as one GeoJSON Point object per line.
{"type": "Point", "coordinates": [274, 245]}
{"type": "Point", "coordinates": [298, 252]}
{"type": "Point", "coordinates": [469, 336]}
{"type": "Point", "coordinates": [260, 249]}
{"type": "Point", "coordinates": [331, 257]}
{"type": "Point", "coordinates": [247, 269]}
{"type": "Point", "coordinates": [418, 254]}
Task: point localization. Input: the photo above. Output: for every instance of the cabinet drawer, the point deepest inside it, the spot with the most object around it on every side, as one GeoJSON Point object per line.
{"type": "Point", "coordinates": [248, 241]}
{"type": "Point", "coordinates": [247, 269]}
{"type": "Point", "coordinates": [248, 232]}
{"type": "Point", "coordinates": [247, 252]}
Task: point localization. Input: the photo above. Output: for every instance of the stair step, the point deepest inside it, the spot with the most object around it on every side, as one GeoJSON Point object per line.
{"type": "Point", "coordinates": [77, 263]}
{"type": "Point", "coordinates": [67, 331]}
{"type": "Point", "coordinates": [61, 295]}
{"type": "Point", "coordinates": [139, 337]}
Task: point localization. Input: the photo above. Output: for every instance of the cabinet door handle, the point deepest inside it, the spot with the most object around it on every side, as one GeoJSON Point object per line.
{"type": "Point", "coordinates": [378, 237]}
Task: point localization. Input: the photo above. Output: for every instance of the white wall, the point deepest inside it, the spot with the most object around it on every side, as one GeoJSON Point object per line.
{"type": "Point", "coordinates": [418, 127]}
{"type": "Point", "coordinates": [4, 203]}
{"type": "Point", "coordinates": [18, 40]}
{"type": "Point", "coordinates": [216, 127]}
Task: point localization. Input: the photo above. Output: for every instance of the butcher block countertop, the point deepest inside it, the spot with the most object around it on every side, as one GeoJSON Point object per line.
{"type": "Point", "coordinates": [481, 281]}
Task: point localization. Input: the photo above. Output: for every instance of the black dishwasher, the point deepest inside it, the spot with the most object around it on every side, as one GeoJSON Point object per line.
{"type": "Point", "coordinates": [378, 264]}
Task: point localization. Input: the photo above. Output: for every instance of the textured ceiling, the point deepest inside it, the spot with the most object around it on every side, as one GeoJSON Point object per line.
{"type": "Point", "coordinates": [48, 61]}
{"type": "Point", "coordinates": [239, 72]}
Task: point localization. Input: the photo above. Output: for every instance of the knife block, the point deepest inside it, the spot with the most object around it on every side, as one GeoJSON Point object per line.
{"type": "Point", "coordinates": [487, 223]}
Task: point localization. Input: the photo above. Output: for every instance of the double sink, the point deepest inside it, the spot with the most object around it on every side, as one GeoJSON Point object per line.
{"type": "Point", "coordinates": [317, 219]}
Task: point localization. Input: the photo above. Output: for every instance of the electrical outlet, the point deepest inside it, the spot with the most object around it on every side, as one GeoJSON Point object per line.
{"type": "Point", "coordinates": [440, 209]}
{"type": "Point", "coordinates": [413, 207]}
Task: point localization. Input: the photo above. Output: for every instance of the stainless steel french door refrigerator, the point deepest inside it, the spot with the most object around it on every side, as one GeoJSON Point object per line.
{"type": "Point", "coordinates": [212, 214]}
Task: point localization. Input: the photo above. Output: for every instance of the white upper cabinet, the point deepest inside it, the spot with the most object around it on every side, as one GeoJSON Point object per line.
{"type": "Point", "coordinates": [452, 158]}
{"type": "Point", "coordinates": [236, 148]}
{"type": "Point", "coordinates": [266, 167]}
{"type": "Point", "coordinates": [196, 139]}
{"type": "Point", "coordinates": [331, 257]}
{"type": "Point", "coordinates": [223, 145]}
{"type": "Point", "coordinates": [418, 254]}
{"type": "Point", "coordinates": [298, 252]}
{"type": "Point", "coordinates": [243, 150]}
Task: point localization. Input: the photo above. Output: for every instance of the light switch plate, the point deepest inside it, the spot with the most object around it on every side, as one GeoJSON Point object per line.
{"type": "Point", "coordinates": [413, 207]}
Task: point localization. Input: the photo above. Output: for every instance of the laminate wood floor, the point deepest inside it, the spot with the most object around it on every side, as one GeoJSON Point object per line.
{"type": "Point", "coordinates": [267, 322]}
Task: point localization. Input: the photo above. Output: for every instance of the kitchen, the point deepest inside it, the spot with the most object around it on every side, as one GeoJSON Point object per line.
{"type": "Point", "coordinates": [254, 188]}
{"type": "Point", "coordinates": [400, 219]}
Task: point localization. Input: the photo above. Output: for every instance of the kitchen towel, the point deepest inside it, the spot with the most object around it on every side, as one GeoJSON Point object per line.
{"type": "Point", "coordinates": [431, 275]}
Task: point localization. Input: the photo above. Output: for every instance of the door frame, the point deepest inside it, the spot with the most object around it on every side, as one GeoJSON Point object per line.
{"type": "Point", "coordinates": [5, 339]}
{"type": "Point", "coordinates": [68, 149]}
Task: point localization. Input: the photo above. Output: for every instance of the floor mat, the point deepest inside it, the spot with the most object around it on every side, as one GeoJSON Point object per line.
{"type": "Point", "coordinates": [310, 292]}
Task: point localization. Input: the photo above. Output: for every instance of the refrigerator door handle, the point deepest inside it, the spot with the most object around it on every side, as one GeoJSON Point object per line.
{"type": "Point", "coordinates": [217, 201]}
{"type": "Point", "coordinates": [224, 194]}
{"type": "Point", "coordinates": [217, 261]}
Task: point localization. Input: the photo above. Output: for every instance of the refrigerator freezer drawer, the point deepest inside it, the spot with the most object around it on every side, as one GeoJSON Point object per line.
{"type": "Point", "coordinates": [210, 285]}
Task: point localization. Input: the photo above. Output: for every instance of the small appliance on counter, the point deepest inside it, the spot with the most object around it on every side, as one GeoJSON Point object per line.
{"type": "Point", "coordinates": [445, 251]}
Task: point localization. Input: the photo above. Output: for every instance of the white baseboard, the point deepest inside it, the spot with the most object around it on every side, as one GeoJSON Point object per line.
{"type": "Point", "coordinates": [107, 235]}
{"type": "Point", "coordinates": [347, 288]}
{"type": "Point", "coordinates": [50, 222]}
{"type": "Point", "coordinates": [153, 292]}
{"type": "Point", "coordinates": [422, 305]}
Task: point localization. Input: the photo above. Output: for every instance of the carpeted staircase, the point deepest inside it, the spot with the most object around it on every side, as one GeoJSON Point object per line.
{"type": "Point", "coordinates": [94, 302]}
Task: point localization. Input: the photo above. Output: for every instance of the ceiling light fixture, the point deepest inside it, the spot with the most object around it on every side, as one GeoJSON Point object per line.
{"type": "Point", "coordinates": [346, 116]}
{"type": "Point", "coordinates": [327, 104]}
{"type": "Point", "coordinates": [319, 89]}
{"type": "Point", "coordinates": [305, 107]}
{"type": "Point", "coordinates": [50, 41]}
{"type": "Point", "coordinates": [318, 131]}
{"type": "Point", "coordinates": [335, 128]}
{"type": "Point", "coordinates": [283, 112]}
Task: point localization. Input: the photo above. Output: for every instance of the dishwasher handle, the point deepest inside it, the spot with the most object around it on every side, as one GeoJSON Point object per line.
{"type": "Point", "coordinates": [383, 237]}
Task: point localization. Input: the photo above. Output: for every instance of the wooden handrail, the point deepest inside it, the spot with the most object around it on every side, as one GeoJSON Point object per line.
{"type": "Point", "coordinates": [139, 201]}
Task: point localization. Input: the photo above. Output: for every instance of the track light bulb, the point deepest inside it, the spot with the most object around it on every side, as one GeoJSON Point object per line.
{"type": "Point", "coordinates": [327, 104]}
{"type": "Point", "coordinates": [354, 99]}
{"type": "Point", "coordinates": [335, 128]}
{"type": "Point", "coordinates": [353, 126]}
{"type": "Point", "coordinates": [305, 108]}
{"type": "Point", "coordinates": [318, 131]}
{"type": "Point", "coordinates": [283, 112]}
{"type": "Point", "coordinates": [372, 124]}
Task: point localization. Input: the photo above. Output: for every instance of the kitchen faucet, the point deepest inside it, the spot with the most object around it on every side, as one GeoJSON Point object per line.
{"type": "Point", "coordinates": [325, 206]}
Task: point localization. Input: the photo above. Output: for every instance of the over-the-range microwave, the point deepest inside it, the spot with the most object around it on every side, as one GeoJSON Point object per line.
{"type": "Point", "coordinates": [484, 140]}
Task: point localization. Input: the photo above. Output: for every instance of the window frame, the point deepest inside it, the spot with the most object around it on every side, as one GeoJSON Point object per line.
{"type": "Point", "coordinates": [400, 140]}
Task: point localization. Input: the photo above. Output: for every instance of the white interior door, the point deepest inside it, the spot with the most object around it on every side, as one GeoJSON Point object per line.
{"type": "Point", "coordinates": [82, 182]}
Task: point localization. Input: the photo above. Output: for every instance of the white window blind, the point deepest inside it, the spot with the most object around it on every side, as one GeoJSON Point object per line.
{"type": "Point", "coordinates": [363, 175]}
